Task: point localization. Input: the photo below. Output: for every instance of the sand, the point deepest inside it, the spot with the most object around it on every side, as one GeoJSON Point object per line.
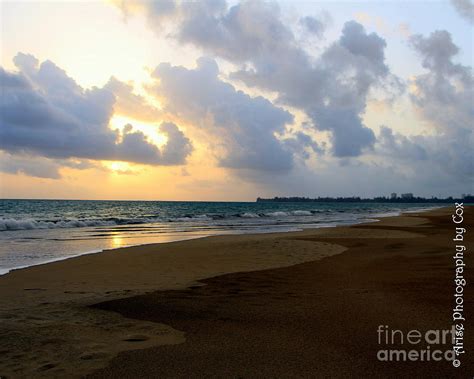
{"type": "Point", "coordinates": [303, 304]}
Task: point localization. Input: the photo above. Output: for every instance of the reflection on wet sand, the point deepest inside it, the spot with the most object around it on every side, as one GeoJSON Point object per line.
{"type": "Point", "coordinates": [116, 241]}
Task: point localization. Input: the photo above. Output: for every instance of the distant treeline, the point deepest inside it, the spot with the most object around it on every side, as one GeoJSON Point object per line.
{"type": "Point", "coordinates": [381, 199]}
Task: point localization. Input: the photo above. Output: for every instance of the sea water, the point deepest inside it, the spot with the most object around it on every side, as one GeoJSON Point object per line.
{"type": "Point", "coordinates": [39, 231]}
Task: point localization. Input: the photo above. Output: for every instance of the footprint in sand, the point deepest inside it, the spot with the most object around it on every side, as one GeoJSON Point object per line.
{"type": "Point", "coordinates": [47, 366]}
{"type": "Point", "coordinates": [76, 292]}
{"type": "Point", "coordinates": [93, 355]}
{"type": "Point", "coordinates": [8, 316]}
{"type": "Point", "coordinates": [137, 338]}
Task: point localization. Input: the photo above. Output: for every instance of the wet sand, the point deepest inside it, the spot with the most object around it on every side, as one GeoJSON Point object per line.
{"type": "Point", "coordinates": [200, 309]}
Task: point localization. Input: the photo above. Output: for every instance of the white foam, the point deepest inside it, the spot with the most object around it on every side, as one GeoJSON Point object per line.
{"type": "Point", "coordinates": [277, 214]}
{"type": "Point", "coordinates": [28, 224]}
{"type": "Point", "coordinates": [301, 213]}
{"type": "Point", "coordinates": [250, 215]}
{"type": "Point", "coordinates": [193, 218]}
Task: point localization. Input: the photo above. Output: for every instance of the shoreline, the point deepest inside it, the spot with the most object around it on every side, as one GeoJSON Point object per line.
{"type": "Point", "coordinates": [53, 312]}
{"type": "Point", "coordinates": [91, 252]}
{"type": "Point", "coordinates": [299, 229]}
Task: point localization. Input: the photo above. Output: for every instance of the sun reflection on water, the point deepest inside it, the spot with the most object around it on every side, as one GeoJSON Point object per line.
{"type": "Point", "coordinates": [116, 241]}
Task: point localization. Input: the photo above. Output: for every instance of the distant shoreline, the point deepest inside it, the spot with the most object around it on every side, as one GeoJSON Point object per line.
{"type": "Point", "coordinates": [398, 200]}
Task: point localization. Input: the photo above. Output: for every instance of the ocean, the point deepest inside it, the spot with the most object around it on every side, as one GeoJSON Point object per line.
{"type": "Point", "coordinates": [38, 231]}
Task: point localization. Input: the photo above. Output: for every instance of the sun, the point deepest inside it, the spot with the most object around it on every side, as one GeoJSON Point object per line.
{"type": "Point", "coordinates": [118, 166]}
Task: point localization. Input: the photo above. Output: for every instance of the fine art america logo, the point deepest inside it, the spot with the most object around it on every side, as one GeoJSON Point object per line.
{"type": "Point", "coordinates": [423, 343]}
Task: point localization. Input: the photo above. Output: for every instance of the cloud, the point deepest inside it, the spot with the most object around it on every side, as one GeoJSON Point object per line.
{"type": "Point", "coordinates": [44, 112]}
{"type": "Point", "coordinates": [312, 25]}
{"type": "Point", "coordinates": [135, 148]}
{"type": "Point", "coordinates": [178, 146]}
{"type": "Point", "coordinates": [157, 11]}
{"type": "Point", "coordinates": [443, 157]}
{"type": "Point", "coordinates": [130, 104]}
{"type": "Point", "coordinates": [443, 95]}
{"type": "Point", "coordinates": [332, 89]}
{"type": "Point", "coordinates": [244, 128]}
{"type": "Point", "coordinates": [302, 144]}
{"type": "Point", "coordinates": [40, 167]}
{"type": "Point", "coordinates": [27, 165]}
{"type": "Point", "coordinates": [465, 8]}
{"type": "Point", "coordinates": [229, 32]}
{"type": "Point", "coordinates": [437, 51]}
{"type": "Point", "coordinates": [316, 25]}
{"type": "Point", "coordinates": [401, 147]}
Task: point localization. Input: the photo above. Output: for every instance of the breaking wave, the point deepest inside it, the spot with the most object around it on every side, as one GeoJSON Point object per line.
{"type": "Point", "coordinates": [12, 224]}
{"type": "Point", "coordinates": [28, 223]}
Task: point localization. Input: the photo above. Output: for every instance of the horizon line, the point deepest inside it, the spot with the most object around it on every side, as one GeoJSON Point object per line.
{"type": "Point", "coordinates": [227, 201]}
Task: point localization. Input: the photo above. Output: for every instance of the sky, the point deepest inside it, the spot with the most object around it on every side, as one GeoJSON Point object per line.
{"type": "Point", "coordinates": [216, 100]}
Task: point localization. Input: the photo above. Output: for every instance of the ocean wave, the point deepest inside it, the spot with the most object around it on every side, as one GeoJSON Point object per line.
{"type": "Point", "coordinates": [289, 213]}
{"type": "Point", "coordinates": [12, 224]}
{"type": "Point", "coordinates": [192, 218]}
{"type": "Point", "coordinates": [302, 213]}
{"type": "Point", "coordinates": [277, 214]}
{"type": "Point", "coordinates": [249, 215]}
{"type": "Point", "coordinates": [7, 224]}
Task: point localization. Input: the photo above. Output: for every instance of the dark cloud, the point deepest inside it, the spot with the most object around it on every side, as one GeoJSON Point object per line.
{"type": "Point", "coordinates": [437, 52]}
{"type": "Point", "coordinates": [313, 25]}
{"type": "Point", "coordinates": [332, 90]}
{"type": "Point", "coordinates": [302, 144]}
{"type": "Point", "coordinates": [430, 158]}
{"type": "Point", "coordinates": [401, 147]}
{"type": "Point", "coordinates": [465, 9]}
{"type": "Point", "coordinates": [177, 147]}
{"type": "Point", "coordinates": [44, 112]}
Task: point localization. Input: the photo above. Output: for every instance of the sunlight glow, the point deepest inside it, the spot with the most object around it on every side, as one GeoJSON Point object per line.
{"type": "Point", "coordinates": [151, 131]}
{"type": "Point", "coordinates": [118, 166]}
{"type": "Point", "coordinates": [116, 241]}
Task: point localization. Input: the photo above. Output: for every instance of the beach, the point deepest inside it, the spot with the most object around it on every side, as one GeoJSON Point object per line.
{"type": "Point", "coordinates": [294, 304]}
{"type": "Point", "coordinates": [236, 189]}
